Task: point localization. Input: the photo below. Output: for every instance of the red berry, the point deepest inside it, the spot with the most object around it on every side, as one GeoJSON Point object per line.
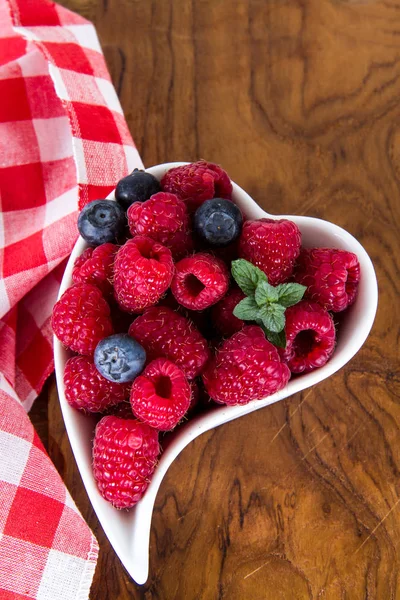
{"type": "Point", "coordinates": [143, 271]}
{"type": "Point", "coordinates": [331, 276]}
{"type": "Point", "coordinates": [163, 332]}
{"type": "Point", "coordinates": [95, 266]}
{"type": "Point", "coordinates": [310, 337]}
{"type": "Point", "coordinates": [163, 218]}
{"type": "Point", "coordinates": [200, 281]}
{"type": "Point", "coordinates": [87, 390]}
{"type": "Point", "coordinates": [125, 453]}
{"type": "Point", "coordinates": [247, 367]}
{"type": "Point", "coordinates": [160, 396]}
{"type": "Point", "coordinates": [222, 182]}
{"type": "Point", "coordinates": [222, 313]}
{"type": "Point", "coordinates": [272, 245]}
{"type": "Point", "coordinates": [81, 318]}
{"type": "Point", "coordinates": [197, 182]}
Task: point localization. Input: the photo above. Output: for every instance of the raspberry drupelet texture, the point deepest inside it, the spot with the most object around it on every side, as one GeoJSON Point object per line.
{"type": "Point", "coordinates": [81, 318]}
{"type": "Point", "coordinates": [163, 332]}
{"type": "Point", "coordinates": [310, 337]}
{"type": "Point", "coordinates": [331, 276]}
{"type": "Point", "coordinates": [125, 453]}
{"type": "Point", "coordinates": [87, 390]}
{"type": "Point", "coordinates": [200, 281]}
{"type": "Point", "coordinates": [161, 395]}
{"type": "Point", "coordinates": [246, 367]}
{"type": "Point", "coordinates": [272, 245]}
{"type": "Point", "coordinates": [163, 218]}
{"type": "Point", "coordinates": [95, 266]}
{"type": "Point", "coordinates": [222, 313]}
{"type": "Point", "coordinates": [197, 182]}
{"type": "Point", "coordinates": [143, 271]}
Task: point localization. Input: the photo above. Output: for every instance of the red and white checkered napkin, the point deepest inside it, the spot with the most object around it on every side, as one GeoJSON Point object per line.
{"type": "Point", "coordinates": [63, 140]}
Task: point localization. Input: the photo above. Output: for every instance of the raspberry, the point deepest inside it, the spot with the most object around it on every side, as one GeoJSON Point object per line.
{"type": "Point", "coordinates": [222, 183]}
{"type": "Point", "coordinates": [125, 453]}
{"type": "Point", "coordinates": [87, 390]}
{"type": "Point", "coordinates": [95, 266]}
{"type": "Point", "coordinates": [161, 395]}
{"type": "Point", "coordinates": [197, 182]}
{"type": "Point", "coordinates": [143, 271]}
{"type": "Point", "coordinates": [222, 313]}
{"type": "Point", "coordinates": [247, 367]}
{"type": "Point", "coordinates": [331, 276]}
{"type": "Point", "coordinates": [163, 332]}
{"type": "Point", "coordinates": [272, 245]}
{"type": "Point", "coordinates": [81, 318]}
{"type": "Point", "coordinates": [200, 281]}
{"type": "Point", "coordinates": [163, 218]}
{"type": "Point", "coordinates": [201, 319]}
{"type": "Point", "coordinates": [310, 337]}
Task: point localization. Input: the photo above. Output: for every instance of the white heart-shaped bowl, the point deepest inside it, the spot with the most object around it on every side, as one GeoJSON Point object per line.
{"type": "Point", "coordinates": [129, 531]}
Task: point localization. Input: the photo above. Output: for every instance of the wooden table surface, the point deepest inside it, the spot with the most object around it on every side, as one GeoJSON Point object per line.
{"type": "Point", "coordinates": [299, 101]}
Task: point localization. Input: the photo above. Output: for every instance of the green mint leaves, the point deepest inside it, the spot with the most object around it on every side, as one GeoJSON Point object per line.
{"type": "Point", "coordinates": [247, 276]}
{"type": "Point", "coordinates": [247, 309]}
{"type": "Point", "coordinates": [290, 293]}
{"type": "Point", "coordinates": [265, 304]}
{"type": "Point", "coordinates": [265, 293]}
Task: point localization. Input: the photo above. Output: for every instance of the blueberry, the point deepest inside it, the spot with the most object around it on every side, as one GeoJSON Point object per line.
{"type": "Point", "coordinates": [136, 187]}
{"type": "Point", "coordinates": [101, 221]}
{"type": "Point", "coordinates": [218, 221]}
{"type": "Point", "coordinates": [119, 358]}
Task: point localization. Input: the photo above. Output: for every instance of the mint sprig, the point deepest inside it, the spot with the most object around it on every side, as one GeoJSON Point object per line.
{"type": "Point", "coordinates": [277, 339]}
{"type": "Point", "coordinates": [247, 309]}
{"type": "Point", "coordinates": [265, 304]}
{"type": "Point", "coordinates": [247, 276]}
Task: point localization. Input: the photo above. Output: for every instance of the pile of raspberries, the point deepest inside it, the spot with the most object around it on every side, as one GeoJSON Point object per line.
{"type": "Point", "coordinates": [180, 302]}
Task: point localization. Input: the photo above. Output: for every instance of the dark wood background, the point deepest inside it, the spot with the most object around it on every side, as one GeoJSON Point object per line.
{"type": "Point", "coordinates": [299, 101]}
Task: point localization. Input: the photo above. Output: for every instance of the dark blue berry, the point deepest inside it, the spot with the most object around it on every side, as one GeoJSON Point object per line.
{"type": "Point", "coordinates": [101, 221]}
{"type": "Point", "coordinates": [136, 187]}
{"type": "Point", "coordinates": [119, 358]}
{"type": "Point", "coordinates": [218, 222]}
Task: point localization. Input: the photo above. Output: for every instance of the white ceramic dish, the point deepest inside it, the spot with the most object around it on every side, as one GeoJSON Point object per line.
{"type": "Point", "coordinates": [129, 531]}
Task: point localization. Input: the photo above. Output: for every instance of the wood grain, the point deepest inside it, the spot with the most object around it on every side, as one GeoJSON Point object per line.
{"type": "Point", "coordinates": [299, 100]}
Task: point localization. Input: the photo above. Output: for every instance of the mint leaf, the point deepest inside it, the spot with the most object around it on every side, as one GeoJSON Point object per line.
{"type": "Point", "coordinates": [247, 276]}
{"type": "Point", "coordinates": [290, 293]}
{"type": "Point", "coordinates": [273, 317]}
{"type": "Point", "coordinates": [265, 293]}
{"type": "Point", "coordinates": [246, 309]}
{"type": "Point", "coordinates": [277, 339]}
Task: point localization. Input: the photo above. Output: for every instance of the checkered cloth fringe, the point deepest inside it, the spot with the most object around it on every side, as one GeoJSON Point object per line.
{"type": "Point", "coordinates": [63, 142]}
